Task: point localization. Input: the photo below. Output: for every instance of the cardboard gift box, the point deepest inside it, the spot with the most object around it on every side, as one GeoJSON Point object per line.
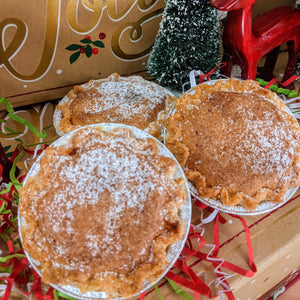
{"type": "Point", "coordinates": [49, 46]}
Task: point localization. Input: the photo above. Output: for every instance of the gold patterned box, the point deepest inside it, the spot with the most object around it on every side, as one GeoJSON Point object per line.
{"type": "Point", "coordinates": [48, 46]}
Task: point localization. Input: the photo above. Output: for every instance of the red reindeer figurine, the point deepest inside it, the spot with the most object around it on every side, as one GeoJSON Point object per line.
{"type": "Point", "coordinates": [246, 41]}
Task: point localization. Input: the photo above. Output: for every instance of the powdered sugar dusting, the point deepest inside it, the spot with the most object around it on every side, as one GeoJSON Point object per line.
{"type": "Point", "coordinates": [264, 142]}
{"type": "Point", "coordinates": [126, 98]}
{"type": "Point", "coordinates": [107, 180]}
{"type": "Point", "coordinates": [244, 140]}
{"type": "Point", "coordinates": [267, 150]}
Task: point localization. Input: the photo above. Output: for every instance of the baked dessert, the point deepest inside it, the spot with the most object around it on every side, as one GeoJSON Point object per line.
{"type": "Point", "coordinates": [101, 210]}
{"type": "Point", "coordinates": [130, 100]}
{"type": "Point", "coordinates": [236, 142]}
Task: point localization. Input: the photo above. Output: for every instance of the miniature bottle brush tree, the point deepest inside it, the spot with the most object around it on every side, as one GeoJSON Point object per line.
{"type": "Point", "coordinates": [188, 39]}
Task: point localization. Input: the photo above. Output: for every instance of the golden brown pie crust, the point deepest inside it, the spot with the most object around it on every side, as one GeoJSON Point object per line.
{"type": "Point", "coordinates": [130, 100]}
{"type": "Point", "coordinates": [236, 142]}
{"type": "Point", "coordinates": [102, 211]}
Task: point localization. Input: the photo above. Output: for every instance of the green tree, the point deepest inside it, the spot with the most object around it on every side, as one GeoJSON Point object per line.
{"type": "Point", "coordinates": [188, 39]}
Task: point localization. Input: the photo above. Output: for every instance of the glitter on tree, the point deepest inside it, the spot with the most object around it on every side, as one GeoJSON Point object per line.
{"type": "Point", "coordinates": [189, 39]}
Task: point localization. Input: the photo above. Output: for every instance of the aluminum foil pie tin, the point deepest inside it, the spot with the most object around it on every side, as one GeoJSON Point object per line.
{"type": "Point", "coordinates": [57, 115]}
{"type": "Point", "coordinates": [173, 250]}
{"type": "Point", "coordinates": [263, 207]}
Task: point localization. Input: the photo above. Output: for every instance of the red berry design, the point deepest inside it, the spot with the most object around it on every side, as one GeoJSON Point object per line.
{"type": "Point", "coordinates": [86, 47]}
{"type": "Point", "coordinates": [102, 35]}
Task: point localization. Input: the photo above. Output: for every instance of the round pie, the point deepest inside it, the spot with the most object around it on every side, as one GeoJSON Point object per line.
{"type": "Point", "coordinates": [130, 100]}
{"type": "Point", "coordinates": [236, 142]}
{"type": "Point", "coordinates": [101, 210]}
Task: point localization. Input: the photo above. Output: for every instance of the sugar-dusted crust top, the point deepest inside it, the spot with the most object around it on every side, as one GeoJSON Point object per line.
{"type": "Point", "coordinates": [236, 142]}
{"type": "Point", "coordinates": [127, 100]}
{"type": "Point", "coordinates": [102, 211]}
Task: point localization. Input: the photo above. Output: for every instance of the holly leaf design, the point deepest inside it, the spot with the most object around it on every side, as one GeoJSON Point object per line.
{"type": "Point", "coordinates": [6, 148]}
{"type": "Point", "coordinates": [73, 47]}
{"type": "Point", "coordinates": [74, 56]}
{"type": "Point", "coordinates": [99, 44]}
{"type": "Point", "coordinates": [86, 41]}
{"type": "Point", "coordinates": [88, 51]}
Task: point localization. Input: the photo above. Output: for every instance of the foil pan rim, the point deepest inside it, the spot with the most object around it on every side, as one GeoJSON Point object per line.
{"type": "Point", "coordinates": [174, 249]}
{"type": "Point", "coordinates": [57, 115]}
{"type": "Point", "coordinates": [264, 206]}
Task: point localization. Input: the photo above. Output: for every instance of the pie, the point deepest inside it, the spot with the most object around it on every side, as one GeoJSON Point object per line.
{"type": "Point", "coordinates": [130, 100]}
{"type": "Point", "coordinates": [236, 142]}
{"type": "Point", "coordinates": [102, 210]}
